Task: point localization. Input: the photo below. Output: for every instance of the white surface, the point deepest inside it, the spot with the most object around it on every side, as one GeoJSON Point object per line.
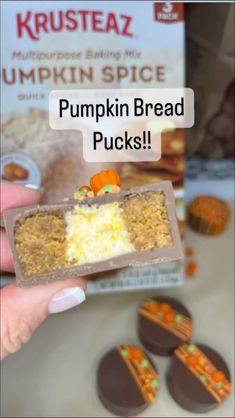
{"type": "Point", "coordinates": [221, 188]}
{"type": "Point", "coordinates": [55, 374]}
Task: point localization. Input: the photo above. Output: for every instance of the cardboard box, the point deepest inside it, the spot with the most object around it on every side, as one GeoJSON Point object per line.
{"type": "Point", "coordinates": [76, 45]}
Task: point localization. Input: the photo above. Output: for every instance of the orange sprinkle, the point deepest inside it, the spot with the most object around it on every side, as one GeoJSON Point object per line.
{"type": "Point", "coordinates": [192, 265]}
{"type": "Point", "coordinates": [189, 251]}
{"type": "Point", "coordinates": [150, 397]}
{"type": "Point", "coordinates": [135, 353]}
{"type": "Point", "coordinates": [218, 376]}
{"type": "Point", "coordinates": [164, 307]}
{"type": "Point", "coordinates": [192, 360]}
{"type": "Point", "coordinates": [153, 309]}
{"type": "Point", "coordinates": [202, 361]}
{"type": "Point", "coordinates": [169, 318]}
{"type": "Point", "coordinates": [191, 268]}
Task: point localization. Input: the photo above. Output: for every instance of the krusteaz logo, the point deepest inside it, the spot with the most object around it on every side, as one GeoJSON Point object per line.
{"type": "Point", "coordinates": [35, 25]}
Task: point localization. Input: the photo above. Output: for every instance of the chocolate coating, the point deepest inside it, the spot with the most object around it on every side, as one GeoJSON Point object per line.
{"type": "Point", "coordinates": [136, 258]}
{"type": "Point", "coordinates": [187, 390]}
{"type": "Point", "coordinates": [117, 388]}
{"type": "Point", "coordinates": [156, 338]}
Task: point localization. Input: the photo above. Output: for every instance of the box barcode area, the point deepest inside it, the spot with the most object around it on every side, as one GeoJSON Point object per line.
{"type": "Point", "coordinates": [141, 278]}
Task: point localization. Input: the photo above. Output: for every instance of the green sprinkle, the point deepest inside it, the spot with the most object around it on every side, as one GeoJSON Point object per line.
{"type": "Point", "coordinates": [144, 363]}
{"type": "Point", "coordinates": [154, 383]}
{"type": "Point", "coordinates": [124, 352]}
{"type": "Point", "coordinates": [179, 318]}
{"type": "Point", "coordinates": [107, 188]}
{"type": "Point", "coordinates": [218, 385]}
{"type": "Point", "coordinates": [191, 348]}
{"type": "Point", "coordinates": [203, 378]}
{"type": "Point", "coordinates": [81, 192]}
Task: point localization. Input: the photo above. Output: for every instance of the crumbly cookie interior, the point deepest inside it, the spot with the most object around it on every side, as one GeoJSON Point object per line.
{"type": "Point", "coordinates": [54, 240]}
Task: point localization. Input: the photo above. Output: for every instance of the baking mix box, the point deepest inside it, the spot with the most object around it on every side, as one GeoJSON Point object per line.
{"type": "Point", "coordinates": [81, 45]}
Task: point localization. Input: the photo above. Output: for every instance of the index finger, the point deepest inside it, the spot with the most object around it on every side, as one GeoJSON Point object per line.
{"type": "Point", "coordinates": [15, 196]}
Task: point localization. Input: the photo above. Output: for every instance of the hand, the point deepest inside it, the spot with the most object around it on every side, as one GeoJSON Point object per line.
{"type": "Point", "coordinates": [24, 309]}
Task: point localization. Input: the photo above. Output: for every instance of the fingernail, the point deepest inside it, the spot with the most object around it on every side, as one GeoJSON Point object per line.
{"type": "Point", "coordinates": [31, 186]}
{"type": "Point", "coordinates": [66, 299]}
{"type": "Point", "coordinates": [34, 187]}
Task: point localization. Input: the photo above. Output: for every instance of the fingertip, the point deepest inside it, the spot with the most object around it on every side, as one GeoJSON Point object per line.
{"type": "Point", "coordinates": [66, 299]}
{"type": "Point", "coordinates": [73, 282]}
{"type": "Point", "coordinates": [47, 290]}
{"type": "Point", "coordinates": [15, 195]}
{"type": "Point", "coordinates": [6, 256]}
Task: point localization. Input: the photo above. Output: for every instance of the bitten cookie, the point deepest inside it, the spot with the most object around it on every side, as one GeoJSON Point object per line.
{"type": "Point", "coordinates": [198, 378]}
{"type": "Point", "coordinates": [208, 215]}
{"type": "Point", "coordinates": [163, 324]}
{"type": "Point", "coordinates": [127, 381]}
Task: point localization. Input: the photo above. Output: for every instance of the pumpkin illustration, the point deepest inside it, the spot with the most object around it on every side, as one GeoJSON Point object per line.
{"type": "Point", "coordinates": [104, 178]}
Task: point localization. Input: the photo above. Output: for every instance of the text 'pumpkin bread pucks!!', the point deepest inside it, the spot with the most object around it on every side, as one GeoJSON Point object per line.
{"type": "Point", "coordinates": [81, 237]}
{"type": "Point", "coordinates": [127, 381]}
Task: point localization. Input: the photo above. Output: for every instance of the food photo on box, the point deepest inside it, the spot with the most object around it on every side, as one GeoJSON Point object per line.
{"type": "Point", "coordinates": [117, 209]}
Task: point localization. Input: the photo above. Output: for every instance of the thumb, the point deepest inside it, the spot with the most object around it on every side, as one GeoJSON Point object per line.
{"type": "Point", "coordinates": [24, 309]}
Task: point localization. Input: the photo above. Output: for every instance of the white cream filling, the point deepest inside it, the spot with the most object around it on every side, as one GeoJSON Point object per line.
{"type": "Point", "coordinates": [96, 233]}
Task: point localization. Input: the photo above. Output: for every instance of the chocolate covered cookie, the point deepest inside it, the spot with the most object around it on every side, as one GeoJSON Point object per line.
{"type": "Point", "coordinates": [163, 324]}
{"type": "Point", "coordinates": [208, 214]}
{"type": "Point", "coordinates": [198, 378]}
{"type": "Point", "coordinates": [127, 380]}
{"type": "Point", "coordinates": [97, 234]}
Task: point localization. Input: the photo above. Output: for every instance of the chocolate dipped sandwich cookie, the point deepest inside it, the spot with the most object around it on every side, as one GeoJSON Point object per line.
{"type": "Point", "coordinates": [81, 237]}
{"type": "Point", "coordinates": [208, 215]}
{"type": "Point", "coordinates": [127, 381]}
{"type": "Point", "coordinates": [163, 324]}
{"type": "Point", "coordinates": [198, 378]}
